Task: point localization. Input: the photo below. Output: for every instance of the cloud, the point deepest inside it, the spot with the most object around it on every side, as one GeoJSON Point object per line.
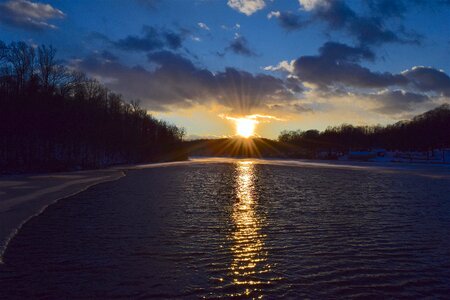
{"type": "Point", "coordinates": [239, 45]}
{"type": "Point", "coordinates": [274, 14]}
{"type": "Point", "coordinates": [256, 118]}
{"type": "Point", "coordinates": [294, 84]}
{"type": "Point", "coordinates": [173, 81]}
{"type": "Point", "coordinates": [176, 82]}
{"type": "Point", "coordinates": [288, 20]}
{"type": "Point", "coordinates": [301, 108]}
{"type": "Point", "coordinates": [283, 66]}
{"type": "Point", "coordinates": [312, 4]}
{"type": "Point", "coordinates": [236, 27]}
{"type": "Point", "coordinates": [336, 72]}
{"type": "Point", "coordinates": [247, 7]}
{"type": "Point", "coordinates": [338, 64]}
{"type": "Point", "coordinates": [244, 91]}
{"type": "Point", "coordinates": [29, 15]}
{"type": "Point", "coordinates": [295, 108]}
{"type": "Point", "coordinates": [398, 101]}
{"type": "Point", "coordinates": [203, 26]}
{"type": "Point", "coordinates": [428, 79]}
{"type": "Point", "coordinates": [342, 52]}
{"type": "Point", "coordinates": [367, 29]}
{"type": "Point", "coordinates": [151, 39]}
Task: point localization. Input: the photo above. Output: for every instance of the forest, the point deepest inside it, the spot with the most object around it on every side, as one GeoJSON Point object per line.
{"type": "Point", "coordinates": [53, 118]}
{"type": "Point", "coordinates": [423, 133]}
{"type": "Point", "coordinates": [428, 131]}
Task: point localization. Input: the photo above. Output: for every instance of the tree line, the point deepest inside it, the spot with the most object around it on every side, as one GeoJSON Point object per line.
{"type": "Point", "coordinates": [430, 130]}
{"type": "Point", "coordinates": [55, 118]}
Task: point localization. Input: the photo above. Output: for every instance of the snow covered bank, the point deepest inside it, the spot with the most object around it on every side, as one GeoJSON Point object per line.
{"type": "Point", "coordinates": [23, 197]}
{"type": "Point", "coordinates": [436, 156]}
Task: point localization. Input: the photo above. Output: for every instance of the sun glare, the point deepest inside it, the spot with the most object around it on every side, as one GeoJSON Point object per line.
{"type": "Point", "coordinates": [245, 127]}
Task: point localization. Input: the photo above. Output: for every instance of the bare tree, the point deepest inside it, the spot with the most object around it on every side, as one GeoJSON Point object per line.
{"type": "Point", "coordinates": [47, 67]}
{"type": "Point", "coordinates": [3, 51]}
{"type": "Point", "coordinates": [22, 58]}
{"type": "Point", "coordinates": [54, 118]}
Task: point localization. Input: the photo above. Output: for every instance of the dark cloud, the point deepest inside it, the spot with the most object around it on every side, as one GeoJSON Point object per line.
{"type": "Point", "coordinates": [367, 30]}
{"type": "Point", "coordinates": [29, 15]}
{"type": "Point", "coordinates": [336, 70]}
{"type": "Point", "coordinates": [337, 64]}
{"type": "Point", "coordinates": [341, 52]}
{"type": "Point", "coordinates": [398, 101]}
{"type": "Point", "coordinates": [151, 39]}
{"type": "Point", "coordinates": [288, 20]}
{"type": "Point", "coordinates": [300, 108]}
{"type": "Point", "coordinates": [177, 81]}
{"type": "Point", "coordinates": [239, 45]}
{"type": "Point", "coordinates": [244, 91]}
{"type": "Point", "coordinates": [294, 84]}
{"type": "Point", "coordinates": [296, 108]}
{"type": "Point", "coordinates": [427, 79]}
{"type": "Point", "coordinates": [174, 81]}
{"type": "Point", "coordinates": [372, 31]}
{"type": "Point", "coordinates": [170, 59]}
{"type": "Point", "coordinates": [335, 12]}
{"type": "Point", "coordinates": [173, 40]}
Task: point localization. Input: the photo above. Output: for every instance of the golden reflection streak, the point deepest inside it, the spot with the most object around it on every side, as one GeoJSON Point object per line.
{"type": "Point", "coordinates": [248, 249]}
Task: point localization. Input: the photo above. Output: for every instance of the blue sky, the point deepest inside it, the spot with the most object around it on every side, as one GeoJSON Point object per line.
{"type": "Point", "coordinates": [308, 63]}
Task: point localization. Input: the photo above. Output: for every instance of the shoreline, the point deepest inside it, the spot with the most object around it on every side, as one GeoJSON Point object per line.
{"type": "Point", "coordinates": [23, 197]}
{"type": "Point", "coordinates": [30, 195]}
{"type": "Point", "coordinates": [40, 190]}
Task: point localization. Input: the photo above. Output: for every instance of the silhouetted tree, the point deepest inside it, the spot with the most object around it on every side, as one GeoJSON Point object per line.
{"type": "Point", "coordinates": [430, 130]}
{"type": "Point", "coordinates": [54, 118]}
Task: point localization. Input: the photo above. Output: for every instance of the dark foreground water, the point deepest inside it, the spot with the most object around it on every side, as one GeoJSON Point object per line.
{"type": "Point", "coordinates": [239, 229]}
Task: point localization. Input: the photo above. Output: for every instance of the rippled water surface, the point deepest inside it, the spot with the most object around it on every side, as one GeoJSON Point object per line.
{"type": "Point", "coordinates": [240, 229]}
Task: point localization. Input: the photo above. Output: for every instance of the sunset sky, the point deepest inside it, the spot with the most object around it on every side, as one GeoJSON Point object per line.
{"type": "Point", "coordinates": [298, 64]}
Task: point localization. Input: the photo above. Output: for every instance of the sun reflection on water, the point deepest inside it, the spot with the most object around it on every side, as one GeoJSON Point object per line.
{"type": "Point", "coordinates": [249, 254]}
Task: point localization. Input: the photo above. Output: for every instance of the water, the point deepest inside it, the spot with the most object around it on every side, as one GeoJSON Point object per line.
{"type": "Point", "coordinates": [240, 229]}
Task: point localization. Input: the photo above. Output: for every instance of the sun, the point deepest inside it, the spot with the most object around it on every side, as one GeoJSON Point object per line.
{"type": "Point", "coordinates": [245, 127]}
